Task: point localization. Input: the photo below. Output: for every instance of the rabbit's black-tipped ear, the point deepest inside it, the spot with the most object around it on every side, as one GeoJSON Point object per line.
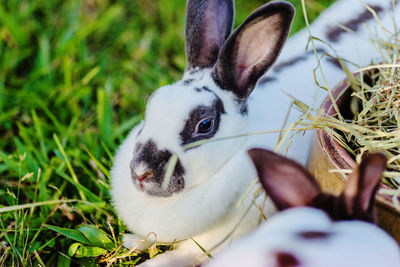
{"type": "Point", "coordinates": [208, 24]}
{"type": "Point", "coordinates": [252, 48]}
{"type": "Point", "coordinates": [285, 181]}
{"type": "Point", "coordinates": [359, 192]}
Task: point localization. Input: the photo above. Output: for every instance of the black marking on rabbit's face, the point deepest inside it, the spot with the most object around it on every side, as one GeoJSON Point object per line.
{"type": "Point", "coordinates": [204, 88]}
{"type": "Point", "coordinates": [194, 71]}
{"type": "Point", "coordinates": [148, 170]}
{"type": "Point", "coordinates": [188, 81]}
{"type": "Point", "coordinates": [244, 109]}
{"type": "Point", "coordinates": [202, 122]}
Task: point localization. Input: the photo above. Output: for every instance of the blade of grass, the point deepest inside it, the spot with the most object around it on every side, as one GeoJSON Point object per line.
{"type": "Point", "coordinates": [82, 189]}
{"type": "Point", "coordinates": [71, 170]}
{"type": "Point", "coordinates": [33, 205]}
{"type": "Point", "coordinates": [98, 163]}
{"type": "Point", "coordinates": [41, 263]}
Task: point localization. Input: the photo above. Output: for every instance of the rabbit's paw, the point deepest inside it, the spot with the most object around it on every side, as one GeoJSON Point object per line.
{"type": "Point", "coordinates": [168, 259]}
{"type": "Point", "coordinates": [136, 242]}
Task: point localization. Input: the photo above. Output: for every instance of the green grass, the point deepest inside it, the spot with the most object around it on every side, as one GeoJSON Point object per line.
{"type": "Point", "coordinates": [74, 78]}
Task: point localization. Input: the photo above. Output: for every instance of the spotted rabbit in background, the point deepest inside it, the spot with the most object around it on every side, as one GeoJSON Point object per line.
{"type": "Point", "coordinates": [315, 229]}
{"type": "Point", "coordinates": [221, 94]}
{"type": "Point", "coordinates": [210, 102]}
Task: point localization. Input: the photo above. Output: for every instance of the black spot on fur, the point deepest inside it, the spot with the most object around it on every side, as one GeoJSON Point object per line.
{"type": "Point", "coordinates": [292, 62]}
{"type": "Point", "coordinates": [286, 259]}
{"type": "Point", "coordinates": [279, 67]}
{"type": "Point", "coordinates": [188, 134]}
{"type": "Point", "coordinates": [156, 161]}
{"type": "Point", "coordinates": [335, 62]}
{"type": "Point", "coordinates": [319, 50]}
{"type": "Point", "coordinates": [335, 33]}
{"type": "Point", "coordinates": [188, 81]}
{"type": "Point", "coordinates": [315, 235]}
{"type": "Point", "coordinates": [194, 71]}
{"type": "Point", "coordinates": [266, 79]}
{"type": "Point", "coordinates": [244, 110]}
{"type": "Point", "coordinates": [204, 88]}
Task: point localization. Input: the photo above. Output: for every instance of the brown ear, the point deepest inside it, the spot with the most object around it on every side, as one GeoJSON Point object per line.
{"type": "Point", "coordinates": [285, 181]}
{"type": "Point", "coordinates": [359, 192]}
{"type": "Point", "coordinates": [252, 48]}
{"type": "Point", "coordinates": [208, 24]}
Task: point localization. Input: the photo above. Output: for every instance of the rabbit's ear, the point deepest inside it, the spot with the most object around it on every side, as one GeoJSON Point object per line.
{"type": "Point", "coordinates": [285, 181]}
{"type": "Point", "coordinates": [359, 192]}
{"type": "Point", "coordinates": [208, 24]}
{"type": "Point", "coordinates": [252, 48]}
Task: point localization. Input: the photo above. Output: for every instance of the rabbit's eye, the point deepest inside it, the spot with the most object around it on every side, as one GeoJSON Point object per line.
{"type": "Point", "coordinates": [202, 122]}
{"type": "Point", "coordinates": [205, 126]}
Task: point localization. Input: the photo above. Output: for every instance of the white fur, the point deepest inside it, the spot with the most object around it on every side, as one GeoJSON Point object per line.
{"type": "Point", "coordinates": [208, 174]}
{"type": "Point", "coordinates": [219, 175]}
{"type": "Point", "coordinates": [220, 172]}
{"type": "Point", "coordinates": [350, 243]}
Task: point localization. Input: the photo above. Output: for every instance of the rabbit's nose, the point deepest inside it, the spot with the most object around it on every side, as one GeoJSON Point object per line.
{"type": "Point", "coordinates": [141, 170]}
{"type": "Point", "coordinates": [146, 175]}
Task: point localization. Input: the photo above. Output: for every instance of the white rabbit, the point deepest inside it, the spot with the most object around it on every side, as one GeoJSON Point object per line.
{"type": "Point", "coordinates": [212, 101]}
{"type": "Point", "coordinates": [315, 229]}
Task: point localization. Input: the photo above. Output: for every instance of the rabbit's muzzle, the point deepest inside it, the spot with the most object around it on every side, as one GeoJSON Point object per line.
{"type": "Point", "coordinates": [148, 171]}
{"type": "Point", "coordinates": [145, 176]}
